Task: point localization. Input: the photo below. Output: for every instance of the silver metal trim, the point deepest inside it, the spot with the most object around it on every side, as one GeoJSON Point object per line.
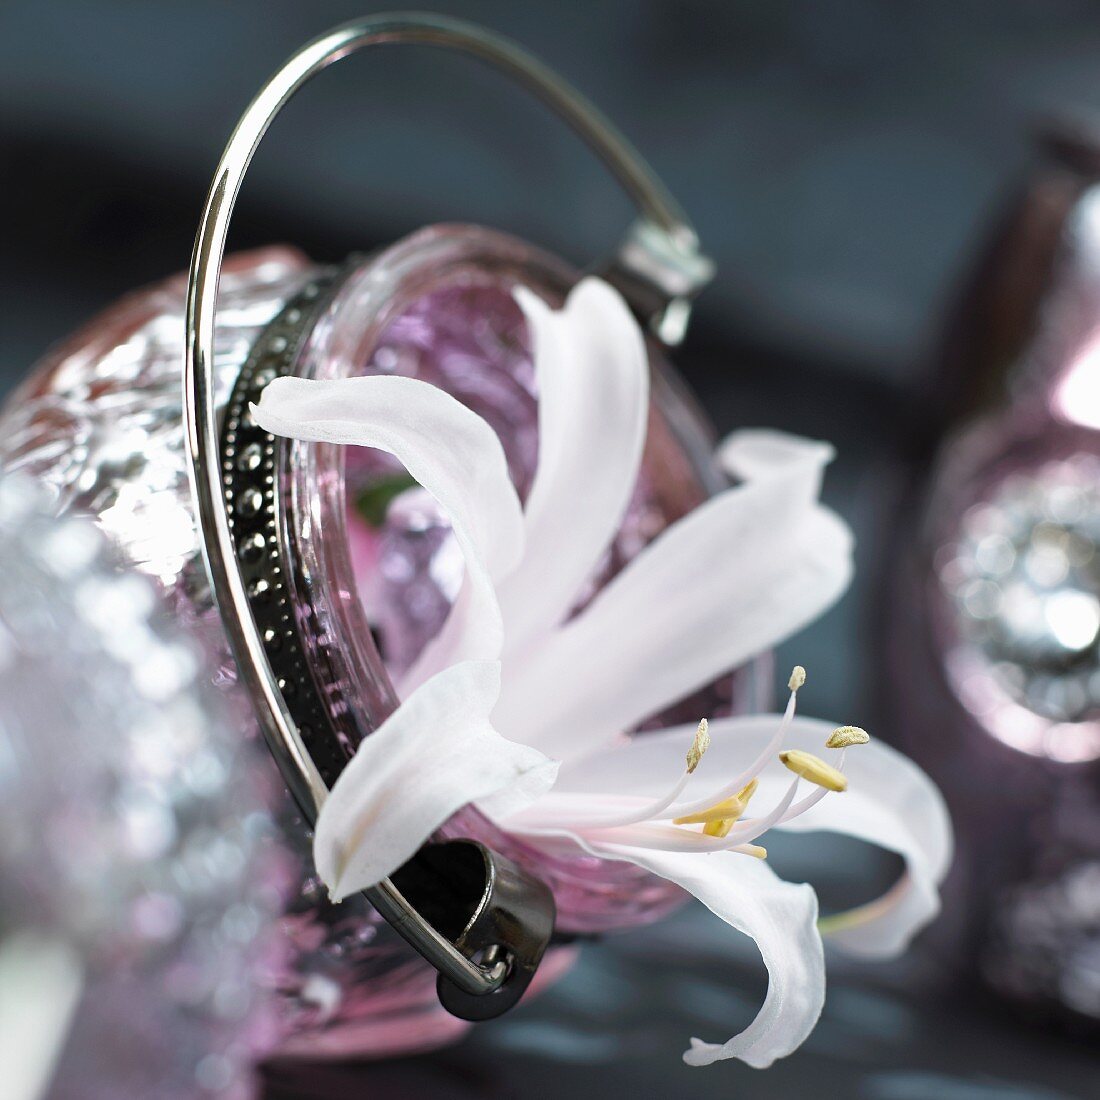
{"type": "Point", "coordinates": [661, 217]}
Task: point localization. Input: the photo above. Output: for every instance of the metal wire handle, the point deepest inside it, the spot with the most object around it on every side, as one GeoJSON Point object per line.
{"type": "Point", "coordinates": [661, 252]}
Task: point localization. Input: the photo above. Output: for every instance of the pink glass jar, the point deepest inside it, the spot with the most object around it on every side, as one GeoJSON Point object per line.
{"type": "Point", "coordinates": [993, 637]}
{"type": "Point", "coordinates": [99, 421]}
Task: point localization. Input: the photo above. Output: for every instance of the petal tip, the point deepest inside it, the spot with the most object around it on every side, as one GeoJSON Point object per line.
{"type": "Point", "coordinates": [528, 301]}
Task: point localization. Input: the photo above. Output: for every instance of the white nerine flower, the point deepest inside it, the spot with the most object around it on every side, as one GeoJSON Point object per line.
{"type": "Point", "coordinates": [525, 711]}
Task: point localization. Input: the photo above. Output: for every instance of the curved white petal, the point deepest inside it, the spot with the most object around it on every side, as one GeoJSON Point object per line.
{"type": "Point", "coordinates": [434, 754]}
{"type": "Point", "coordinates": [727, 582]}
{"type": "Point", "coordinates": [731, 579]}
{"type": "Point", "coordinates": [453, 453]}
{"type": "Point", "coordinates": [593, 386]}
{"type": "Point", "coordinates": [755, 454]}
{"type": "Point", "coordinates": [890, 802]}
{"type": "Point", "coordinates": [780, 916]}
{"type": "Point", "coordinates": [42, 978]}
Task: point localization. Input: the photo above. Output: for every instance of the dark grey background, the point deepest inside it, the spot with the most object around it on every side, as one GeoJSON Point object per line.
{"type": "Point", "coordinates": [842, 161]}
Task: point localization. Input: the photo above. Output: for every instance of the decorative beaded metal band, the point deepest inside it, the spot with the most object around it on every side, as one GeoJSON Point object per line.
{"type": "Point", "coordinates": [249, 460]}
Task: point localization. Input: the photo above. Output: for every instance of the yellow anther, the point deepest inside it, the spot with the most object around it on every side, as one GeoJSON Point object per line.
{"type": "Point", "coordinates": [798, 678]}
{"type": "Point", "coordinates": [698, 746]}
{"type": "Point", "coordinates": [719, 827]}
{"type": "Point", "coordinates": [846, 736]}
{"type": "Point", "coordinates": [718, 819]}
{"type": "Point", "coordinates": [747, 792]}
{"type": "Point", "coordinates": [730, 807]}
{"type": "Point", "coordinates": [814, 769]}
{"type": "Point", "coordinates": [755, 850]}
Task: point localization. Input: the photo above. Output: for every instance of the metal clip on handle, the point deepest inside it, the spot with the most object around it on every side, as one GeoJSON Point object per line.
{"type": "Point", "coordinates": [487, 957]}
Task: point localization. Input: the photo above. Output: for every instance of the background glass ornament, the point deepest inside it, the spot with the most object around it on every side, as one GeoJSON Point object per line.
{"type": "Point", "coordinates": [438, 306]}
{"type": "Point", "coordinates": [1043, 949]}
{"type": "Point", "coordinates": [139, 877]}
{"type": "Point", "coordinates": [999, 589]}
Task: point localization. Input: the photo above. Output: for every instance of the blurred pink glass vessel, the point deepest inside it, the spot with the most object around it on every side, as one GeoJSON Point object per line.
{"type": "Point", "coordinates": [995, 636]}
{"type": "Point", "coordinates": [99, 421]}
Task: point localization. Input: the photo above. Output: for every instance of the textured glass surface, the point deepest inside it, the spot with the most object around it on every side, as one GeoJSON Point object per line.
{"type": "Point", "coordinates": [99, 421]}
{"type": "Point", "coordinates": [134, 838]}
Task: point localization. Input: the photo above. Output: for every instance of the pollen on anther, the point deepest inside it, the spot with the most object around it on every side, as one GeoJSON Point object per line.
{"type": "Point", "coordinates": [720, 811]}
{"type": "Point", "coordinates": [719, 828]}
{"type": "Point", "coordinates": [747, 792]}
{"type": "Point", "coordinates": [798, 678]}
{"type": "Point", "coordinates": [845, 736]}
{"type": "Point", "coordinates": [699, 745]}
{"type": "Point", "coordinates": [814, 769]}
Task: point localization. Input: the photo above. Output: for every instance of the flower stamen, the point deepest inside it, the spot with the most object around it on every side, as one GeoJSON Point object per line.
{"type": "Point", "coordinates": [844, 737]}
{"type": "Point", "coordinates": [699, 745]}
{"type": "Point", "coordinates": [853, 735]}
{"type": "Point", "coordinates": [814, 769]}
{"type": "Point", "coordinates": [722, 816]}
{"type": "Point", "coordinates": [797, 679]}
{"type": "Point", "coordinates": [728, 807]}
{"type": "Point", "coordinates": [750, 828]}
{"type": "Point", "coordinates": [755, 850]}
{"type": "Point", "coordinates": [653, 809]}
{"type": "Point", "coordinates": [724, 828]}
{"type": "Point", "coordinates": [668, 838]}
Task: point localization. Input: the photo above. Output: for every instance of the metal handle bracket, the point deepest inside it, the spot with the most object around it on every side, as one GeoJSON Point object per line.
{"type": "Point", "coordinates": [660, 265]}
